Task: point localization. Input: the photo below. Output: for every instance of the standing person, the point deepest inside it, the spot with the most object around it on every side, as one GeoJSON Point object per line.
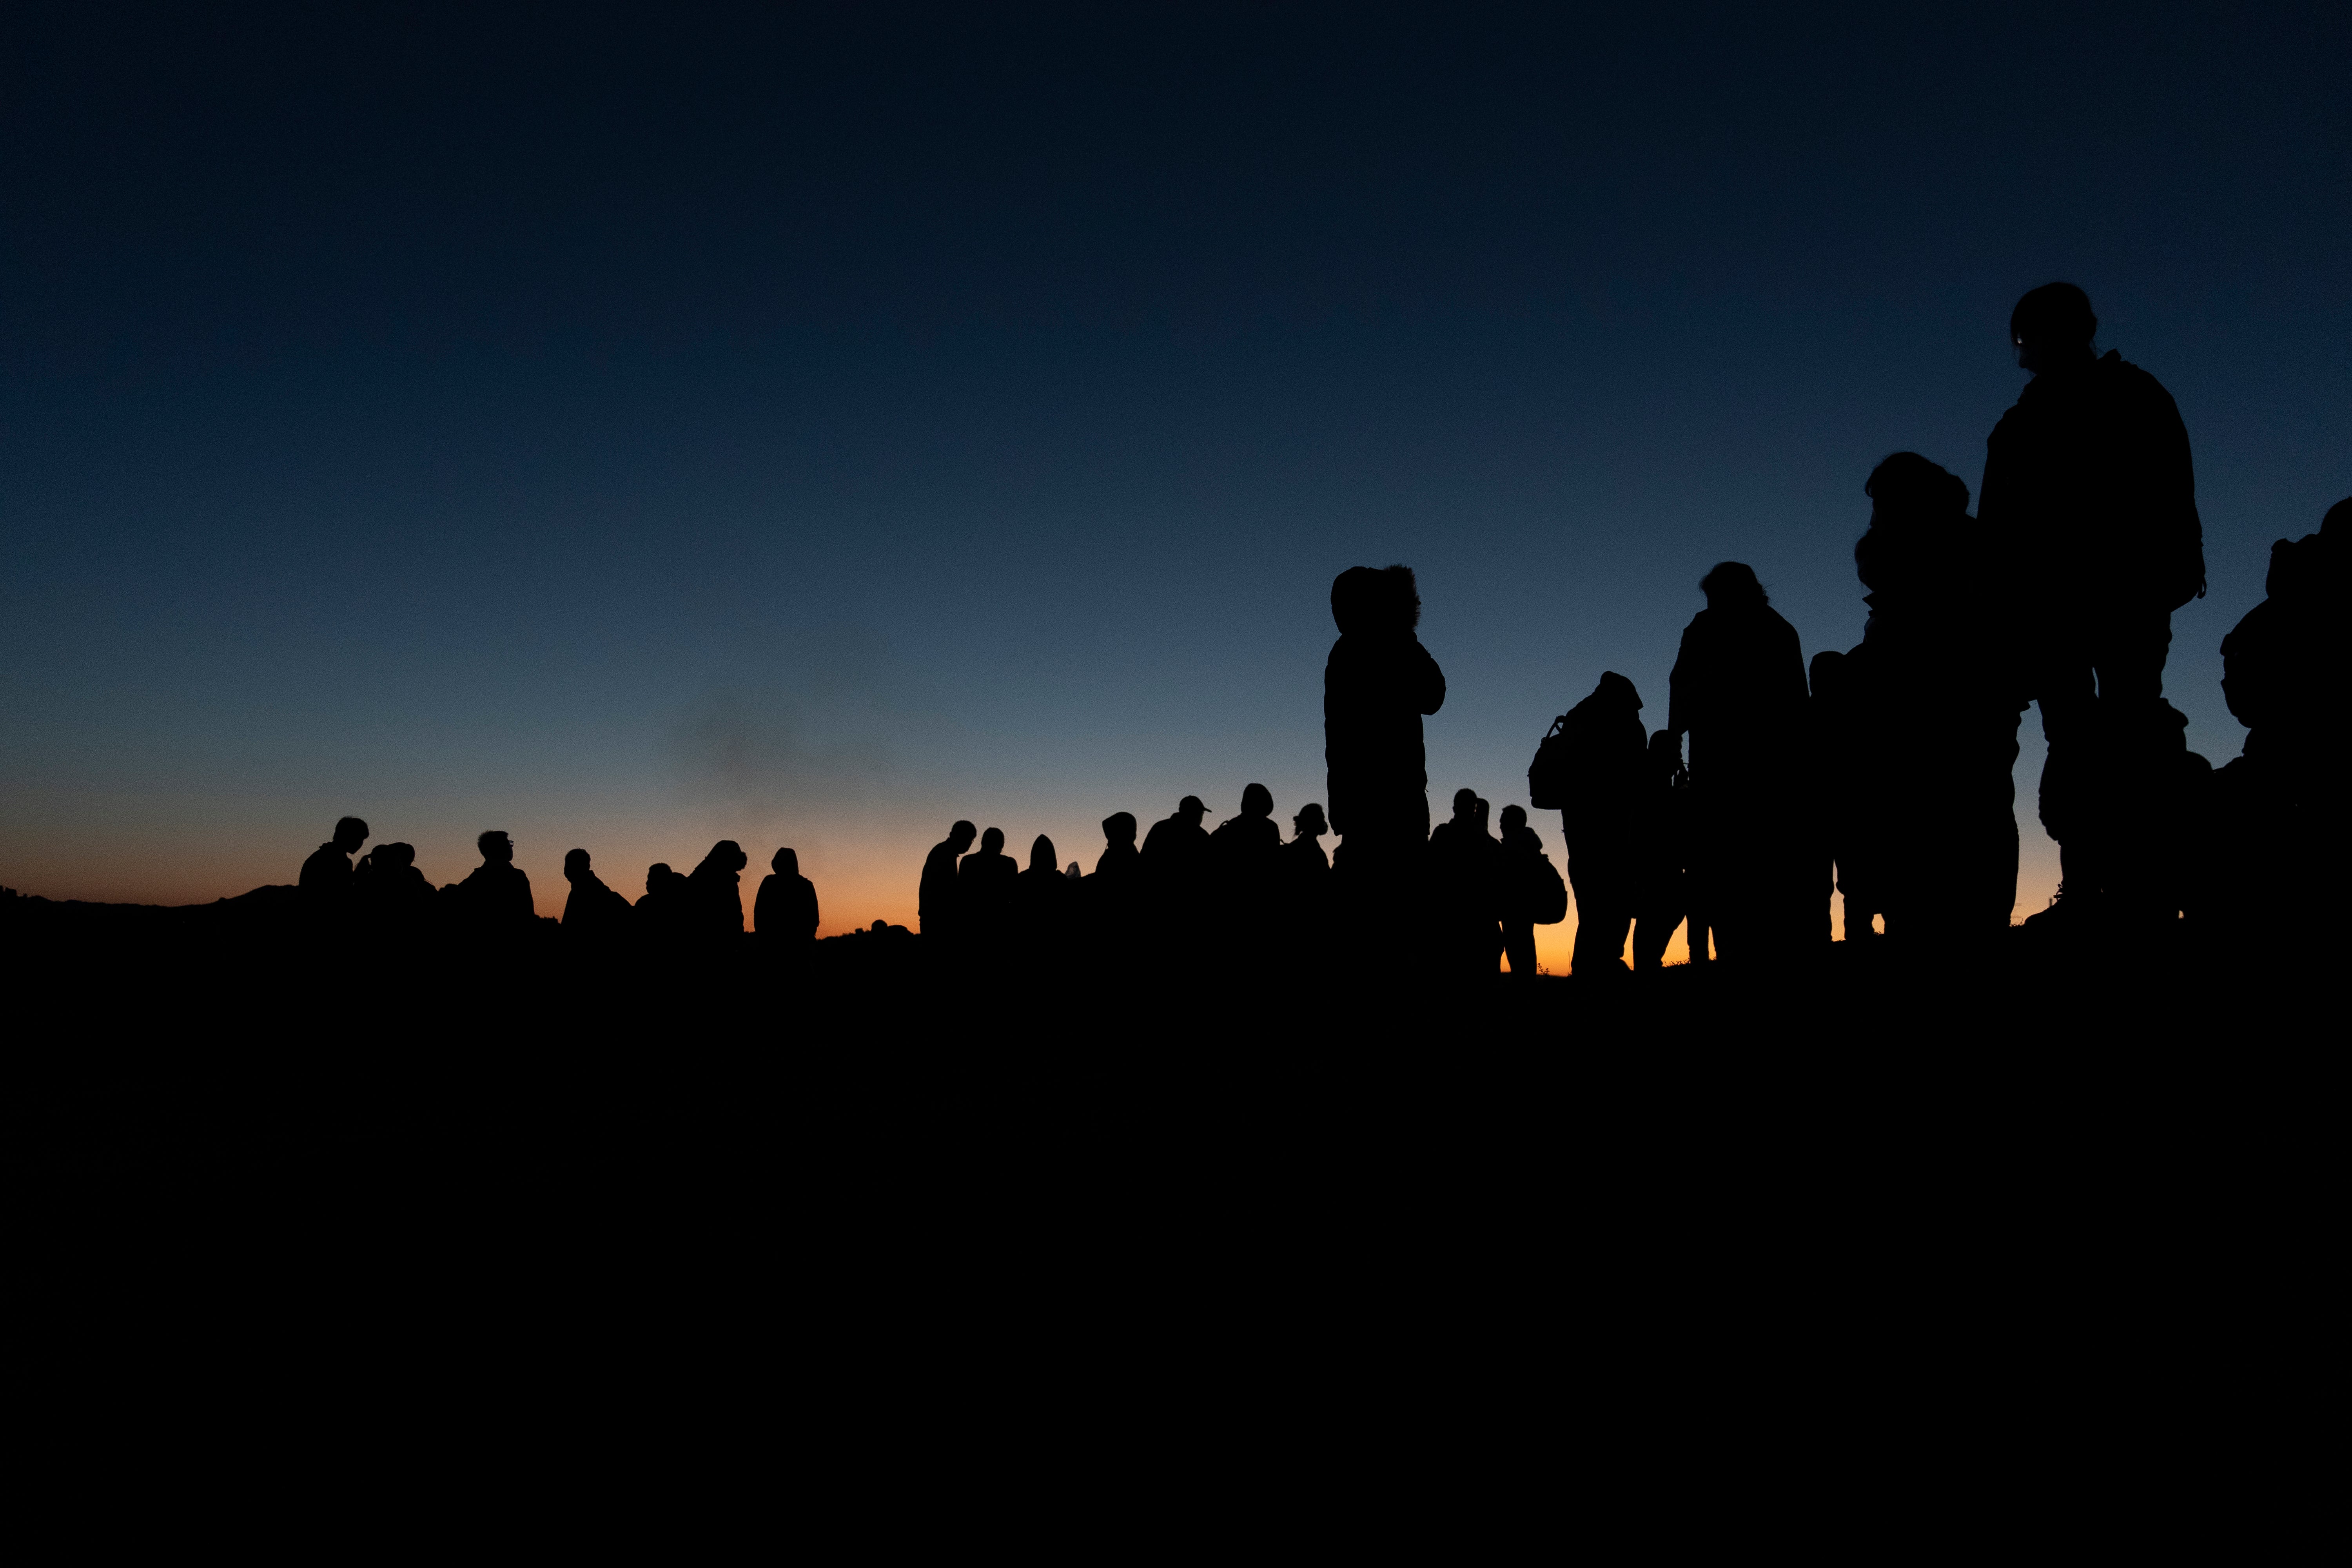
{"type": "Point", "coordinates": [1739, 691]}
{"type": "Point", "coordinates": [1242, 854]}
{"type": "Point", "coordinates": [663, 915]}
{"type": "Point", "coordinates": [715, 892]}
{"type": "Point", "coordinates": [1303, 893]}
{"type": "Point", "coordinates": [494, 902]}
{"type": "Point", "coordinates": [1923, 720]}
{"type": "Point", "coordinates": [1378, 683]}
{"type": "Point", "coordinates": [325, 883]}
{"type": "Point", "coordinates": [1522, 849]}
{"type": "Point", "coordinates": [935, 900]}
{"type": "Point", "coordinates": [1662, 900]}
{"type": "Point", "coordinates": [591, 912]}
{"type": "Point", "coordinates": [784, 912]}
{"type": "Point", "coordinates": [1042, 899]}
{"type": "Point", "coordinates": [984, 883]}
{"type": "Point", "coordinates": [1175, 867]}
{"type": "Point", "coordinates": [2088, 483]}
{"type": "Point", "coordinates": [1466, 893]}
{"type": "Point", "coordinates": [1602, 819]}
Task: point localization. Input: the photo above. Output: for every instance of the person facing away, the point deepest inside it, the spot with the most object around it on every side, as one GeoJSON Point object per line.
{"type": "Point", "coordinates": [662, 912]}
{"type": "Point", "coordinates": [592, 909]}
{"type": "Point", "coordinates": [1250, 840]}
{"type": "Point", "coordinates": [784, 908]}
{"type": "Point", "coordinates": [1466, 892]}
{"type": "Point", "coordinates": [1378, 684]}
{"type": "Point", "coordinates": [1522, 848]}
{"type": "Point", "coordinates": [984, 890]}
{"type": "Point", "coordinates": [1739, 691]}
{"type": "Point", "coordinates": [1041, 898]}
{"type": "Point", "coordinates": [1601, 820]}
{"type": "Point", "coordinates": [495, 897]}
{"type": "Point", "coordinates": [935, 900]}
{"type": "Point", "coordinates": [1920, 722]}
{"type": "Point", "coordinates": [715, 893]}
{"type": "Point", "coordinates": [2090, 490]}
{"type": "Point", "coordinates": [326, 880]}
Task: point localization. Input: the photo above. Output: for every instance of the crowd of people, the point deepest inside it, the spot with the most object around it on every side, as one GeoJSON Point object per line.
{"type": "Point", "coordinates": [1881, 774]}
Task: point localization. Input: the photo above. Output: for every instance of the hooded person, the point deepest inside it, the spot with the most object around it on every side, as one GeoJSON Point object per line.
{"type": "Point", "coordinates": [1378, 683]}
{"type": "Point", "coordinates": [2091, 495]}
{"type": "Point", "coordinates": [1042, 900]}
{"type": "Point", "coordinates": [1739, 691]}
{"type": "Point", "coordinates": [1917, 726]}
{"type": "Point", "coordinates": [715, 892]}
{"type": "Point", "coordinates": [784, 912]}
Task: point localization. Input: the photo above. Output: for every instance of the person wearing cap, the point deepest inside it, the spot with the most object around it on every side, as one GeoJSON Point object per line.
{"type": "Point", "coordinates": [1175, 866]}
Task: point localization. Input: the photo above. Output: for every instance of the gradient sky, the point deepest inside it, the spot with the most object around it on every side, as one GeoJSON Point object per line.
{"type": "Point", "coordinates": [809, 426]}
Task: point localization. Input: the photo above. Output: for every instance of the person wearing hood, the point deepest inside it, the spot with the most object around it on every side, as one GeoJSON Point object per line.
{"type": "Point", "coordinates": [1739, 692]}
{"type": "Point", "coordinates": [715, 892]}
{"type": "Point", "coordinates": [784, 912]}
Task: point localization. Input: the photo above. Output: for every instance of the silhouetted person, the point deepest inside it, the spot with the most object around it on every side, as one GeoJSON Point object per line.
{"type": "Point", "coordinates": [326, 878]}
{"type": "Point", "coordinates": [935, 903]}
{"type": "Point", "coordinates": [715, 893]}
{"type": "Point", "coordinates": [1121, 860]}
{"type": "Point", "coordinates": [1175, 867]}
{"type": "Point", "coordinates": [2089, 486]}
{"type": "Point", "coordinates": [2277, 838]}
{"type": "Point", "coordinates": [1920, 722]}
{"type": "Point", "coordinates": [1377, 684]}
{"type": "Point", "coordinates": [1043, 900]}
{"type": "Point", "coordinates": [1739, 691]}
{"type": "Point", "coordinates": [1522, 849]}
{"type": "Point", "coordinates": [1303, 856]}
{"type": "Point", "coordinates": [984, 888]}
{"type": "Point", "coordinates": [1301, 904]}
{"type": "Point", "coordinates": [665, 912]}
{"type": "Point", "coordinates": [1110, 900]}
{"type": "Point", "coordinates": [1603, 819]}
{"type": "Point", "coordinates": [1243, 853]}
{"type": "Point", "coordinates": [591, 910]}
{"type": "Point", "coordinates": [394, 898]}
{"type": "Point", "coordinates": [783, 912]}
{"type": "Point", "coordinates": [1466, 893]}
{"type": "Point", "coordinates": [1661, 809]}
{"type": "Point", "coordinates": [494, 901]}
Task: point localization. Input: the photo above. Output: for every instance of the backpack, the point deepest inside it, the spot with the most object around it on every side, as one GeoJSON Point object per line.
{"type": "Point", "coordinates": [1548, 774]}
{"type": "Point", "coordinates": [1545, 894]}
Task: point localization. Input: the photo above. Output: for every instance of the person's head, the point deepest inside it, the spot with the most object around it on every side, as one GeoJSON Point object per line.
{"type": "Point", "coordinates": [962, 834]}
{"type": "Point", "coordinates": [1119, 828]}
{"type": "Point", "coordinates": [1614, 690]}
{"type": "Point", "coordinates": [2053, 326]}
{"type": "Point", "coordinates": [395, 857]}
{"type": "Point", "coordinates": [1189, 809]}
{"type": "Point", "coordinates": [1905, 486]}
{"type": "Point", "coordinates": [575, 865]}
{"type": "Point", "coordinates": [2340, 514]}
{"type": "Point", "coordinates": [1309, 823]}
{"type": "Point", "coordinates": [784, 863]}
{"type": "Point", "coordinates": [1732, 584]}
{"type": "Point", "coordinates": [658, 875]}
{"type": "Point", "coordinates": [727, 855]}
{"type": "Point", "coordinates": [1256, 800]}
{"type": "Point", "coordinates": [1827, 674]}
{"type": "Point", "coordinates": [1514, 818]}
{"type": "Point", "coordinates": [1042, 857]}
{"type": "Point", "coordinates": [992, 841]}
{"type": "Point", "coordinates": [1386, 602]}
{"type": "Point", "coordinates": [1465, 804]}
{"type": "Point", "coordinates": [497, 847]}
{"type": "Point", "coordinates": [350, 834]}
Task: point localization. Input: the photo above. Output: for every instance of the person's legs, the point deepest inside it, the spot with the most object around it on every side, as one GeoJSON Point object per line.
{"type": "Point", "coordinates": [1519, 949]}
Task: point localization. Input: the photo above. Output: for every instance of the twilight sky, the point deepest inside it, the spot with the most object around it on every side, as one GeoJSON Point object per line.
{"type": "Point", "coordinates": [808, 425]}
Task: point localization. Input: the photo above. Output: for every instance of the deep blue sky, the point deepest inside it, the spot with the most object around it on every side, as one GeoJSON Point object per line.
{"type": "Point", "coordinates": [809, 428]}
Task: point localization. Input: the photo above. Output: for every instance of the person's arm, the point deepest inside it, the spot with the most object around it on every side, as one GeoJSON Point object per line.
{"type": "Point", "coordinates": [1428, 681]}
